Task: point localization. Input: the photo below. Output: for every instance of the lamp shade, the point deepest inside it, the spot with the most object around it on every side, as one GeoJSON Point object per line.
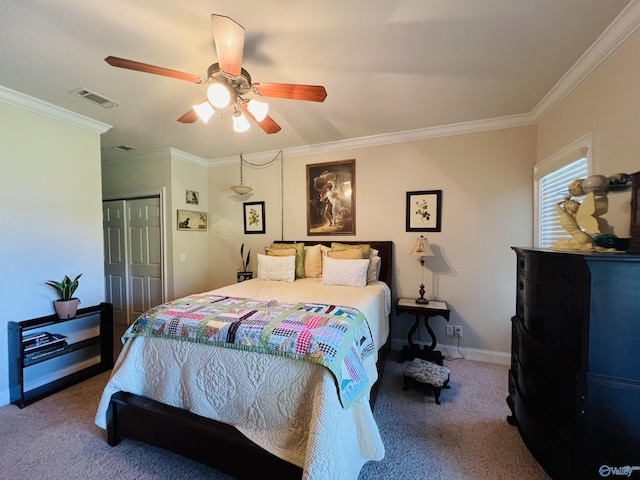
{"type": "Point", "coordinates": [422, 248]}
{"type": "Point", "coordinates": [218, 95]}
{"type": "Point", "coordinates": [241, 189]}
{"type": "Point", "coordinates": [258, 109]}
{"type": "Point", "coordinates": [204, 110]}
{"type": "Point", "coordinates": [240, 123]}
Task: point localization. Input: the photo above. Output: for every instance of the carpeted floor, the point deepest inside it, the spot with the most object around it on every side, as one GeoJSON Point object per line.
{"type": "Point", "coordinates": [464, 438]}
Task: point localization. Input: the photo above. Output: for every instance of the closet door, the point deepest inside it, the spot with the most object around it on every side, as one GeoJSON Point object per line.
{"type": "Point", "coordinates": [132, 256]}
{"type": "Point", "coordinates": [145, 255]}
{"type": "Point", "coordinates": [115, 258]}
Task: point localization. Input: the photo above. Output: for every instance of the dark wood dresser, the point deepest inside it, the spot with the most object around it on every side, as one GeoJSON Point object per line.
{"type": "Point", "coordinates": [574, 382]}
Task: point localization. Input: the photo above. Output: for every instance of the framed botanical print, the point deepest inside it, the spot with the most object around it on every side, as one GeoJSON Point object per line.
{"type": "Point", "coordinates": [424, 211]}
{"type": "Point", "coordinates": [254, 221]}
{"type": "Point", "coordinates": [331, 198]}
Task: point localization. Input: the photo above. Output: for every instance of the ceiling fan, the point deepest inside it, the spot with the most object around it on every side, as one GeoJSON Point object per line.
{"type": "Point", "coordinates": [229, 82]}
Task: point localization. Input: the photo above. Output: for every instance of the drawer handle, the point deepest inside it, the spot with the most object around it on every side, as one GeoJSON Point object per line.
{"type": "Point", "coordinates": [520, 285]}
{"type": "Point", "coordinates": [521, 264]}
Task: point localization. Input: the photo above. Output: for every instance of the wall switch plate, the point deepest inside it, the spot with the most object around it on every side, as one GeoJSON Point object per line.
{"type": "Point", "coordinates": [448, 330]}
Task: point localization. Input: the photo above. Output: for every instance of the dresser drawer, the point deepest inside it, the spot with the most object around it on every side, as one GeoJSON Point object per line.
{"type": "Point", "coordinates": [565, 272]}
{"type": "Point", "coordinates": [550, 451]}
{"type": "Point", "coordinates": [556, 318]}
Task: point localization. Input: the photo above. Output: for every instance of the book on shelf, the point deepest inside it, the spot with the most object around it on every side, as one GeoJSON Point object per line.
{"type": "Point", "coordinates": [43, 352]}
{"type": "Point", "coordinates": [37, 342]}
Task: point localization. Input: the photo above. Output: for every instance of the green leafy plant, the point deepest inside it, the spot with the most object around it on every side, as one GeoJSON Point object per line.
{"type": "Point", "coordinates": [66, 288]}
{"type": "Point", "coordinates": [245, 262]}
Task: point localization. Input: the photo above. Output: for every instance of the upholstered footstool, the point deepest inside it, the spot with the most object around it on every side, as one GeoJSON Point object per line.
{"type": "Point", "coordinates": [430, 374]}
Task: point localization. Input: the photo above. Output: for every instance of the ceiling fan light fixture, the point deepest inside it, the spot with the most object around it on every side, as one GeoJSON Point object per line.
{"type": "Point", "coordinates": [240, 122]}
{"type": "Point", "coordinates": [204, 110]}
{"type": "Point", "coordinates": [258, 109]}
{"type": "Point", "coordinates": [218, 95]}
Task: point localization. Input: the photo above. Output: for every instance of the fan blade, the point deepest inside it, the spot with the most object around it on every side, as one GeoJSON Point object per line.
{"type": "Point", "coordinates": [268, 124]}
{"type": "Point", "coordinates": [229, 38]}
{"type": "Point", "coordinates": [312, 93]}
{"type": "Point", "coordinates": [190, 116]}
{"type": "Point", "coordinates": [146, 68]}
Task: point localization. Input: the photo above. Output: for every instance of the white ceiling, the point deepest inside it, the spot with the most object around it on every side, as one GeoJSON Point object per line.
{"type": "Point", "coordinates": [388, 66]}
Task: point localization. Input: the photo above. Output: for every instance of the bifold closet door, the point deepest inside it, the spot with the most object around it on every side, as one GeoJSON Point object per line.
{"type": "Point", "coordinates": [133, 256]}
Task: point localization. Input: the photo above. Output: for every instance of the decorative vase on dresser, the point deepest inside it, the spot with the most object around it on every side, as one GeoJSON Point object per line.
{"type": "Point", "coordinates": [574, 381]}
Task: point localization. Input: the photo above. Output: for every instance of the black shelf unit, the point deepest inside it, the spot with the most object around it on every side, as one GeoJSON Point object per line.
{"type": "Point", "coordinates": [18, 362]}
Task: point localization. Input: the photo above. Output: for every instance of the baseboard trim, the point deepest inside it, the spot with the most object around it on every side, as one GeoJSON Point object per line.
{"type": "Point", "coordinates": [451, 352]}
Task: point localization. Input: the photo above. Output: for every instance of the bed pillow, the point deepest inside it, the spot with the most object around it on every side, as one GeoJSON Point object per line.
{"type": "Point", "coordinates": [299, 246]}
{"type": "Point", "coordinates": [281, 269]}
{"type": "Point", "coordinates": [345, 272]}
{"type": "Point", "coordinates": [312, 261]}
{"type": "Point", "coordinates": [366, 248]}
{"type": "Point", "coordinates": [280, 252]}
{"type": "Point", "coordinates": [373, 272]}
{"type": "Point", "coordinates": [351, 254]}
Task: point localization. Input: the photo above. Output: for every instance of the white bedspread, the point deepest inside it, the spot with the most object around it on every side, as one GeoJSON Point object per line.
{"type": "Point", "coordinates": [288, 407]}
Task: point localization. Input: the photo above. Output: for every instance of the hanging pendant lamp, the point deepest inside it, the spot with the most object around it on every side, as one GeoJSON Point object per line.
{"type": "Point", "coordinates": [241, 189]}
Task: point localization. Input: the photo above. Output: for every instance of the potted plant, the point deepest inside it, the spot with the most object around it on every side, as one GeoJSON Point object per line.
{"type": "Point", "coordinates": [244, 274]}
{"type": "Point", "coordinates": [67, 305]}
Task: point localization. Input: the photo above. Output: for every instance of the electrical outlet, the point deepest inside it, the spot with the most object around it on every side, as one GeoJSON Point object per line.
{"type": "Point", "coordinates": [449, 330]}
{"type": "Point", "coordinates": [457, 330]}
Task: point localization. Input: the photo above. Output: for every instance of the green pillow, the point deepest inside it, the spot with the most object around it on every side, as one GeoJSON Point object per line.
{"type": "Point", "coordinates": [366, 248]}
{"type": "Point", "coordinates": [299, 255]}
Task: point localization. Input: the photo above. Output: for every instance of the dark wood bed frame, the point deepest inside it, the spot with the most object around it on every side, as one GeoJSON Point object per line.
{"type": "Point", "coordinates": [208, 441]}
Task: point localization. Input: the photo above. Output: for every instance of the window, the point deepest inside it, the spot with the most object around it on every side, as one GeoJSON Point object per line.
{"type": "Point", "coordinates": [552, 178]}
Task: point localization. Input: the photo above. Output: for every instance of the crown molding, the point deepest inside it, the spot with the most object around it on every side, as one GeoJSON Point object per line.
{"type": "Point", "coordinates": [166, 152]}
{"type": "Point", "coordinates": [40, 107]}
{"type": "Point", "coordinates": [385, 139]}
{"type": "Point", "coordinates": [617, 32]}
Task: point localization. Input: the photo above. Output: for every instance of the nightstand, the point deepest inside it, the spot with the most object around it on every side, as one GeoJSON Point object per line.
{"type": "Point", "coordinates": [422, 311]}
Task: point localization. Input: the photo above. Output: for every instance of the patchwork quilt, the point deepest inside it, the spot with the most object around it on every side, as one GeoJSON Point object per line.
{"type": "Point", "coordinates": [334, 336]}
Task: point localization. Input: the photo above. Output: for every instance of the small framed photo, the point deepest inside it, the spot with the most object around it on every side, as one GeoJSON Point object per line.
{"type": "Point", "coordinates": [193, 198]}
{"type": "Point", "coordinates": [254, 221]}
{"type": "Point", "coordinates": [192, 221]}
{"type": "Point", "coordinates": [424, 211]}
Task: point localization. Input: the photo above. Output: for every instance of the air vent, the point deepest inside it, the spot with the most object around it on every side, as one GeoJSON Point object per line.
{"type": "Point", "coordinates": [125, 148]}
{"type": "Point", "coordinates": [93, 97]}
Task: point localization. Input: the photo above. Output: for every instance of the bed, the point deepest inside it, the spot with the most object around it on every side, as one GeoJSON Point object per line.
{"type": "Point", "coordinates": [275, 414]}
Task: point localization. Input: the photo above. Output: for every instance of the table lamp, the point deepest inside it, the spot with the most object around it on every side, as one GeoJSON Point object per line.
{"type": "Point", "coordinates": [422, 249]}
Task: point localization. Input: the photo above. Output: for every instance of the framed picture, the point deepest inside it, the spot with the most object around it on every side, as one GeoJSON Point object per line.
{"type": "Point", "coordinates": [193, 198]}
{"type": "Point", "coordinates": [254, 221]}
{"type": "Point", "coordinates": [192, 221]}
{"type": "Point", "coordinates": [424, 211]}
{"type": "Point", "coordinates": [331, 198]}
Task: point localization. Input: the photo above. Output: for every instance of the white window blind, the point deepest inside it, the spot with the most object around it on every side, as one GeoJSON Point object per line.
{"type": "Point", "coordinates": [552, 188]}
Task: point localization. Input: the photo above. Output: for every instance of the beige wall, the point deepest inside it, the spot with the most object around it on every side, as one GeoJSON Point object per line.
{"type": "Point", "coordinates": [485, 212]}
{"type": "Point", "coordinates": [50, 216]}
{"type": "Point", "coordinates": [169, 172]}
{"type": "Point", "coordinates": [190, 275]}
{"type": "Point", "coordinates": [606, 103]}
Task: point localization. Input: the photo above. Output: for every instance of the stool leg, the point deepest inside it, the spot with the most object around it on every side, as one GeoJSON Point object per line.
{"type": "Point", "coordinates": [405, 381]}
{"type": "Point", "coordinates": [436, 391]}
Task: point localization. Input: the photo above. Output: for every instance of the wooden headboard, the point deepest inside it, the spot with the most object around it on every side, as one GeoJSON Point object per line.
{"type": "Point", "coordinates": [385, 251]}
